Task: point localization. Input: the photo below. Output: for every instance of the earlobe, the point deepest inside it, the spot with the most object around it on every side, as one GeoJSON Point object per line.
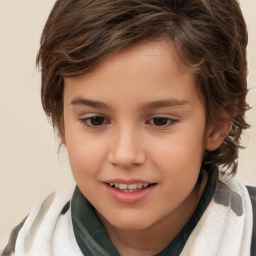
{"type": "Point", "coordinates": [218, 134]}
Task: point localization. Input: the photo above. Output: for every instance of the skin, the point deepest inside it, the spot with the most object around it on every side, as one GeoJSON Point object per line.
{"type": "Point", "coordinates": [131, 142]}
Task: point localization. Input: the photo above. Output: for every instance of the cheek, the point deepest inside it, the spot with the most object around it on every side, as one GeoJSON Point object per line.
{"type": "Point", "coordinates": [180, 163]}
{"type": "Point", "coordinates": [85, 153]}
{"type": "Point", "coordinates": [179, 157]}
{"type": "Point", "coordinates": [179, 150]}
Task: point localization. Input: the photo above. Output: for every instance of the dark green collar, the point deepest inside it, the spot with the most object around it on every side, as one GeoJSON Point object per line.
{"type": "Point", "coordinates": [93, 239]}
{"type": "Point", "coordinates": [90, 234]}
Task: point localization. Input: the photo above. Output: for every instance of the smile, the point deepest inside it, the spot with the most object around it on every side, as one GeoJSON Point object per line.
{"type": "Point", "coordinates": [129, 187]}
{"type": "Point", "coordinates": [131, 193]}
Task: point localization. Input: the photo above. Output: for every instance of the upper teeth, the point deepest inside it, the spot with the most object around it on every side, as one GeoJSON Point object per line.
{"type": "Point", "coordinates": [129, 186]}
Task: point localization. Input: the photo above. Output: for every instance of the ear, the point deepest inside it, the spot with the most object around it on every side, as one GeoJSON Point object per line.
{"type": "Point", "coordinates": [217, 134]}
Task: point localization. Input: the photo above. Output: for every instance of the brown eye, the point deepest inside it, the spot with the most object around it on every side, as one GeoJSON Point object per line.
{"type": "Point", "coordinates": [160, 121]}
{"type": "Point", "coordinates": [94, 121]}
{"type": "Point", "coordinates": [97, 120]}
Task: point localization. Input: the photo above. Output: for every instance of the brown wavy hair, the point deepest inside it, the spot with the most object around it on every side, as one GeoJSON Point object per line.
{"type": "Point", "coordinates": [209, 35]}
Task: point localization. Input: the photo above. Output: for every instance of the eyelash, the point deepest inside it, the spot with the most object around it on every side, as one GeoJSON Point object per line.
{"type": "Point", "coordinates": [167, 121]}
{"type": "Point", "coordinates": [88, 121]}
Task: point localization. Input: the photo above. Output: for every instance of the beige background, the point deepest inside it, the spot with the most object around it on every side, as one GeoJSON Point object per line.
{"type": "Point", "coordinates": [30, 167]}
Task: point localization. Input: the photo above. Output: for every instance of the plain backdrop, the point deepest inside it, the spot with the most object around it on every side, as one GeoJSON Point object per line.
{"type": "Point", "coordinates": [30, 165]}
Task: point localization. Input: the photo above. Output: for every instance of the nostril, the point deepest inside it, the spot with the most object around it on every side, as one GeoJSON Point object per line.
{"type": "Point", "coordinates": [126, 157]}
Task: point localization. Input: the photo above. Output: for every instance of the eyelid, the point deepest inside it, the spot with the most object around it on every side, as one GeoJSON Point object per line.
{"type": "Point", "coordinates": [172, 121]}
{"type": "Point", "coordinates": [85, 119]}
{"type": "Point", "coordinates": [168, 116]}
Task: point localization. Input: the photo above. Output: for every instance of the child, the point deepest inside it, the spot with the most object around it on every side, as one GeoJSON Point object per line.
{"type": "Point", "coordinates": [148, 97]}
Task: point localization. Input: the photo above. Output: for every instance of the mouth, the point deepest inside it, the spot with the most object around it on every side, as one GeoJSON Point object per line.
{"type": "Point", "coordinates": [134, 187]}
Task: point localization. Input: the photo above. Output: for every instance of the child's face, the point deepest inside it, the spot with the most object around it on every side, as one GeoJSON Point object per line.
{"type": "Point", "coordinates": [136, 119]}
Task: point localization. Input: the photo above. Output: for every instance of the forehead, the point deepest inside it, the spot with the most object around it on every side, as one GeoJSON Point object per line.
{"type": "Point", "coordinates": [149, 69]}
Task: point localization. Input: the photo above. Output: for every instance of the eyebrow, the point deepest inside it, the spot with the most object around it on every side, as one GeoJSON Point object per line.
{"type": "Point", "coordinates": [167, 103]}
{"type": "Point", "coordinates": [150, 105]}
{"type": "Point", "coordinates": [89, 103]}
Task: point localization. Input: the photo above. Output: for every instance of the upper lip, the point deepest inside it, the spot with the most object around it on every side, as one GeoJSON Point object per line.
{"type": "Point", "coordinates": [127, 181]}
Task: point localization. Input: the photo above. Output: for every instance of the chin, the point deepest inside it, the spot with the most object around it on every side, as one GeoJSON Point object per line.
{"type": "Point", "coordinates": [131, 223]}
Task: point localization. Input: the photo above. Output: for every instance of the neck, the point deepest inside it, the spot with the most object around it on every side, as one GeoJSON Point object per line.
{"type": "Point", "coordinates": [153, 240]}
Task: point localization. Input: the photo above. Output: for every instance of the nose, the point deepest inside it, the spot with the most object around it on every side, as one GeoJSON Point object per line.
{"type": "Point", "coordinates": [127, 148]}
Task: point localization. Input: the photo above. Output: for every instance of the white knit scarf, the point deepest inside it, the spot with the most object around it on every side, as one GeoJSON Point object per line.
{"type": "Point", "coordinates": [225, 228]}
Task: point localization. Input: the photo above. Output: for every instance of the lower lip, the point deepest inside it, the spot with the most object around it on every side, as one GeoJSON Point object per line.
{"type": "Point", "coordinates": [129, 197]}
